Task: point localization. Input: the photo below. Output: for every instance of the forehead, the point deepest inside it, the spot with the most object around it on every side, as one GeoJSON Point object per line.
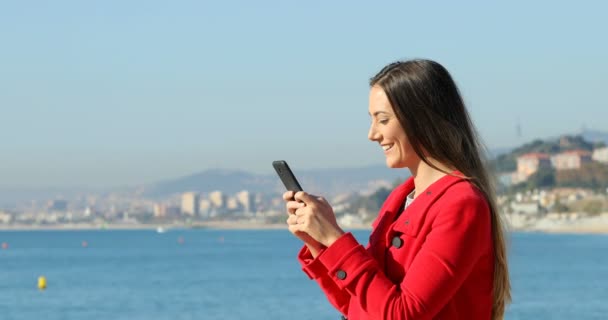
{"type": "Point", "coordinates": [378, 101]}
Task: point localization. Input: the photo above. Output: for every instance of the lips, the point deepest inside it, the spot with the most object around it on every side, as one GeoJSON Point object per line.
{"type": "Point", "coordinates": [387, 147]}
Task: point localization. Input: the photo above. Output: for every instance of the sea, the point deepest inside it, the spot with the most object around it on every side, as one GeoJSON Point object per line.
{"type": "Point", "coordinates": [250, 274]}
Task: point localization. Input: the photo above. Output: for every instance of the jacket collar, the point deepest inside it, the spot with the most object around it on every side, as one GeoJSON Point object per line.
{"type": "Point", "coordinates": [411, 220]}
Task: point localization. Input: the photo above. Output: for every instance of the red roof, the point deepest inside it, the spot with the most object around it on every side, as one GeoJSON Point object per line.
{"type": "Point", "coordinates": [577, 152]}
{"type": "Point", "coordinates": [535, 155]}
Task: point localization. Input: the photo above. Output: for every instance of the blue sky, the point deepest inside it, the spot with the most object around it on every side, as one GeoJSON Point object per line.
{"type": "Point", "coordinates": [110, 93]}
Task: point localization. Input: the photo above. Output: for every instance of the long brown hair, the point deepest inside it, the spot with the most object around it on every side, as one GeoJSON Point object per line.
{"type": "Point", "coordinates": [429, 107]}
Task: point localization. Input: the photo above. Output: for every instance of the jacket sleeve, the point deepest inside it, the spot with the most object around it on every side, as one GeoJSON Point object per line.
{"type": "Point", "coordinates": [337, 296]}
{"type": "Point", "coordinates": [458, 236]}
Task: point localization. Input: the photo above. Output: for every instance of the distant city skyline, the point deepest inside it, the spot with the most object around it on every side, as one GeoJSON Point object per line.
{"type": "Point", "coordinates": [126, 93]}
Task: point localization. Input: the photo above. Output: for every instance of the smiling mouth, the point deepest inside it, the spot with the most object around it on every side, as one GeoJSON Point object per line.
{"type": "Point", "coordinates": [387, 147]}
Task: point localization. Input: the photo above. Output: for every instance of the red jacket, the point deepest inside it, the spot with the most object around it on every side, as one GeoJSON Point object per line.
{"type": "Point", "coordinates": [435, 261]}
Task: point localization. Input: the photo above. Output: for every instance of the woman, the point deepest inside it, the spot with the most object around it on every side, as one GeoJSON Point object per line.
{"type": "Point", "coordinates": [437, 248]}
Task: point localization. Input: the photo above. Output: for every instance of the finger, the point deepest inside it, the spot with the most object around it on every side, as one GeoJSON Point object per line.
{"type": "Point", "coordinates": [295, 228]}
{"type": "Point", "coordinates": [299, 212]}
{"type": "Point", "coordinates": [287, 196]}
{"type": "Point", "coordinates": [294, 205]}
{"type": "Point", "coordinates": [304, 197]}
{"type": "Point", "coordinates": [292, 219]}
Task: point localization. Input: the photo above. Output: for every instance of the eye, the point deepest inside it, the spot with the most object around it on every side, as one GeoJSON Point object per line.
{"type": "Point", "coordinates": [383, 121]}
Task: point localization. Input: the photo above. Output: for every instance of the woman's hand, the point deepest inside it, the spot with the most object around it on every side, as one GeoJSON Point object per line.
{"type": "Point", "coordinates": [313, 245]}
{"type": "Point", "coordinates": [312, 216]}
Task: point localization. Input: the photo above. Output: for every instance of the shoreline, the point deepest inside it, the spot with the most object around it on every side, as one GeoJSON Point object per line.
{"type": "Point", "coordinates": [558, 223]}
{"type": "Point", "coordinates": [598, 228]}
{"type": "Point", "coordinates": [211, 226]}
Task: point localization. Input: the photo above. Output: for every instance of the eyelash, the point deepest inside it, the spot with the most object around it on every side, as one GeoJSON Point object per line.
{"type": "Point", "coordinates": [383, 121]}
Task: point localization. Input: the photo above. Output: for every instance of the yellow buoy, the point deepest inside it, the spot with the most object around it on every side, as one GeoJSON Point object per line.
{"type": "Point", "coordinates": [41, 283]}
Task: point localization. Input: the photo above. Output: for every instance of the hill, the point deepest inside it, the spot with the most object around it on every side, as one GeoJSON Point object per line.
{"type": "Point", "coordinates": [507, 162]}
{"type": "Point", "coordinates": [321, 181]}
{"type": "Point", "coordinates": [591, 175]}
{"type": "Point", "coordinates": [595, 136]}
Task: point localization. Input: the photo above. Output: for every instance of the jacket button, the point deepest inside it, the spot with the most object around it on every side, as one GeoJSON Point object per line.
{"type": "Point", "coordinates": [397, 242]}
{"type": "Point", "coordinates": [341, 274]}
{"type": "Point", "coordinates": [407, 222]}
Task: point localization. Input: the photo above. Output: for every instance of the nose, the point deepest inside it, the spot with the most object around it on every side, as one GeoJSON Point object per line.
{"type": "Point", "coordinates": [373, 134]}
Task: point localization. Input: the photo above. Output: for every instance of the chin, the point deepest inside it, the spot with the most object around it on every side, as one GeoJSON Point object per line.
{"type": "Point", "coordinates": [393, 164]}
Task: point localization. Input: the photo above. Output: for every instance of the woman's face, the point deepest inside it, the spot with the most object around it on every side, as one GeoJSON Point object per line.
{"type": "Point", "coordinates": [387, 131]}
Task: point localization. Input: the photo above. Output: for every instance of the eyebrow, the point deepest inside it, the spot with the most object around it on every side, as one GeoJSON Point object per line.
{"type": "Point", "coordinates": [378, 112]}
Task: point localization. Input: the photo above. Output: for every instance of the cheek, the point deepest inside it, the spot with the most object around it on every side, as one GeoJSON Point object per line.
{"type": "Point", "coordinates": [405, 148]}
{"type": "Point", "coordinates": [403, 143]}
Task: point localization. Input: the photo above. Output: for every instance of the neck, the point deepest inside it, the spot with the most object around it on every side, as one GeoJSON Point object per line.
{"type": "Point", "coordinates": [425, 175]}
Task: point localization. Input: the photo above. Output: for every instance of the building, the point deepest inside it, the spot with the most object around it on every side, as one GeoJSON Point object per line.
{"type": "Point", "coordinates": [160, 210]}
{"type": "Point", "coordinates": [528, 164]}
{"type": "Point", "coordinates": [232, 204]}
{"type": "Point", "coordinates": [246, 200]}
{"type": "Point", "coordinates": [217, 199]}
{"type": "Point", "coordinates": [600, 155]}
{"type": "Point", "coordinates": [572, 159]}
{"type": "Point", "coordinates": [528, 207]}
{"type": "Point", "coordinates": [5, 217]}
{"type": "Point", "coordinates": [190, 203]}
{"type": "Point", "coordinates": [204, 207]}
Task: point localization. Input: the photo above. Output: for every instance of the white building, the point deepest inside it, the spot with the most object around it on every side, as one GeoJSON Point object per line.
{"type": "Point", "coordinates": [217, 199]}
{"type": "Point", "coordinates": [5, 218]}
{"type": "Point", "coordinates": [190, 203]}
{"type": "Point", "coordinates": [160, 210]}
{"type": "Point", "coordinates": [528, 207]}
{"type": "Point", "coordinates": [600, 155]}
{"type": "Point", "coordinates": [528, 164]}
{"type": "Point", "coordinates": [246, 201]}
{"type": "Point", "coordinates": [572, 159]}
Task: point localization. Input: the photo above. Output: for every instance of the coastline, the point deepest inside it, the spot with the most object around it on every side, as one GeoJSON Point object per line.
{"type": "Point", "coordinates": [514, 223]}
{"type": "Point", "coordinates": [219, 225]}
{"type": "Point", "coordinates": [571, 223]}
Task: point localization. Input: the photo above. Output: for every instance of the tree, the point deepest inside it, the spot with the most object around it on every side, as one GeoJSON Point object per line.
{"type": "Point", "coordinates": [560, 207]}
{"type": "Point", "coordinates": [593, 207]}
{"type": "Point", "coordinates": [542, 179]}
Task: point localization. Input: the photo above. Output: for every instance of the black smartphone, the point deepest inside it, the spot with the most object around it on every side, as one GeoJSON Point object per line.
{"type": "Point", "coordinates": [286, 175]}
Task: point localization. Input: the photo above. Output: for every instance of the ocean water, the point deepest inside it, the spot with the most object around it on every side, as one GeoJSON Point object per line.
{"type": "Point", "coordinates": [250, 274]}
